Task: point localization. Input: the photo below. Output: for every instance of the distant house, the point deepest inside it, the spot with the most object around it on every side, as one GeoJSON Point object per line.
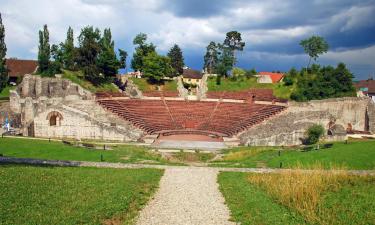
{"type": "Point", "coordinates": [366, 88]}
{"type": "Point", "coordinates": [19, 67]}
{"type": "Point", "coordinates": [190, 76]}
{"type": "Point", "coordinates": [136, 74]}
{"type": "Point", "coordinates": [269, 77]}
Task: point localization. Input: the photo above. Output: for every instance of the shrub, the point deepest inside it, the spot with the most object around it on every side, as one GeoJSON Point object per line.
{"type": "Point", "coordinates": [314, 133]}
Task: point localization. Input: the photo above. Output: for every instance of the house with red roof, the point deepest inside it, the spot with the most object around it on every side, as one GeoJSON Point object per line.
{"type": "Point", "coordinates": [269, 77]}
{"type": "Point", "coordinates": [19, 67]}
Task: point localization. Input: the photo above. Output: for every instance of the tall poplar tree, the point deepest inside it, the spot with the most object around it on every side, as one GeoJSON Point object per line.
{"type": "Point", "coordinates": [69, 50]}
{"type": "Point", "coordinates": [44, 53]}
{"type": "Point", "coordinates": [3, 51]}
{"type": "Point", "coordinates": [177, 60]}
{"type": "Point", "coordinates": [107, 60]}
{"type": "Point", "coordinates": [211, 58]}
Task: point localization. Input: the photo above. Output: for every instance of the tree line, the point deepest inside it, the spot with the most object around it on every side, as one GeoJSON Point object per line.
{"type": "Point", "coordinates": [95, 55]}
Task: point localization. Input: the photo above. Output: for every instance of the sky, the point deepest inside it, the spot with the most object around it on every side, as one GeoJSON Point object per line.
{"type": "Point", "coordinates": [271, 29]}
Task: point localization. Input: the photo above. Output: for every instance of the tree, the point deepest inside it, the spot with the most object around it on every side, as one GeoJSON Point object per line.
{"type": "Point", "coordinates": [234, 42]}
{"type": "Point", "coordinates": [211, 58]}
{"type": "Point", "coordinates": [3, 51]}
{"type": "Point", "coordinates": [156, 67]}
{"type": "Point", "coordinates": [88, 51]}
{"type": "Point", "coordinates": [314, 133]}
{"type": "Point", "coordinates": [141, 51]}
{"type": "Point", "coordinates": [314, 46]}
{"type": "Point", "coordinates": [225, 62]}
{"type": "Point", "coordinates": [68, 52]}
{"type": "Point", "coordinates": [177, 59]}
{"type": "Point", "coordinates": [123, 55]}
{"type": "Point", "coordinates": [44, 53]}
{"type": "Point", "coordinates": [107, 60]}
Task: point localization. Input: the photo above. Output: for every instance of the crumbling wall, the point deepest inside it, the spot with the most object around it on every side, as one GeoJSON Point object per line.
{"type": "Point", "coordinates": [35, 97]}
{"type": "Point", "coordinates": [289, 127]}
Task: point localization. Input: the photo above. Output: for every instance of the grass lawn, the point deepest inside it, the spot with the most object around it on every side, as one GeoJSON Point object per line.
{"type": "Point", "coordinates": [354, 155]}
{"type": "Point", "coordinates": [4, 94]}
{"type": "Point", "coordinates": [279, 90]}
{"type": "Point", "coordinates": [78, 78]}
{"type": "Point", "coordinates": [62, 195]}
{"type": "Point", "coordinates": [41, 149]}
{"type": "Point", "coordinates": [296, 198]}
{"type": "Point", "coordinates": [143, 85]}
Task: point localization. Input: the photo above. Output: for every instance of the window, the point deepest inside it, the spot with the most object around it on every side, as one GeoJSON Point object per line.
{"type": "Point", "coordinates": [52, 120]}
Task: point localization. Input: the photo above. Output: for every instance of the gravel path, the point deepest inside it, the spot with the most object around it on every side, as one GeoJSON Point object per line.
{"type": "Point", "coordinates": [187, 195]}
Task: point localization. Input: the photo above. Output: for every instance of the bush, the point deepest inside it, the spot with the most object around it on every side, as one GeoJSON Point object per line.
{"type": "Point", "coordinates": [314, 133]}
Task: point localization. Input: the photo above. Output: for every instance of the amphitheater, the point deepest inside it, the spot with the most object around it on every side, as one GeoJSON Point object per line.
{"type": "Point", "coordinates": [58, 108]}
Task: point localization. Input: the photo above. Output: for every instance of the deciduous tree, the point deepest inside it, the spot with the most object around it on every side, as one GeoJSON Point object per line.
{"type": "Point", "coordinates": [107, 61]}
{"type": "Point", "coordinates": [156, 67]}
{"type": "Point", "coordinates": [88, 51]}
{"type": "Point", "coordinates": [141, 51]}
{"type": "Point", "coordinates": [314, 46]}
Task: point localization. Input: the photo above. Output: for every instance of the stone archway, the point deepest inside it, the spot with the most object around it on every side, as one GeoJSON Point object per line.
{"type": "Point", "coordinates": [54, 118]}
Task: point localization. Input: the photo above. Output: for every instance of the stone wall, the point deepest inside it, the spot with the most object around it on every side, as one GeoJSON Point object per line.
{"type": "Point", "coordinates": [289, 127]}
{"type": "Point", "coordinates": [82, 118]}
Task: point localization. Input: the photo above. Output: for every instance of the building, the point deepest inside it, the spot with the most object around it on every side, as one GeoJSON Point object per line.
{"type": "Point", "coordinates": [269, 77]}
{"type": "Point", "coordinates": [366, 88]}
{"type": "Point", "coordinates": [17, 68]}
{"type": "Point", "coordinates": [190, 76]}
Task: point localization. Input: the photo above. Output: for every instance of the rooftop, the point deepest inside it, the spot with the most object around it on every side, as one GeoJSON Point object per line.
{"type": "Point", "coordinates": [20, 67]}
{"type": "Point", "coordinates": [193, 74]}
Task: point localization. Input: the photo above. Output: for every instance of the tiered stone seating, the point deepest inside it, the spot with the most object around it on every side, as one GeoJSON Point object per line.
{"type": "Point", "coordinates": [160, 93]}
{"type": "Point", "coordinates": [101, 95]}
{"type": "Point", "coordinates": [156, 116]}
{"type": "Point", "coordinates": [254, 94]}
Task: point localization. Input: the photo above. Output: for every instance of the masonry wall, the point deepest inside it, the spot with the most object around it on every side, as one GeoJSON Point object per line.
{"type": "Point", "coordinates": [289, 127]}
{"type": "Point", "coordinates": [83, 118]}
{"type": "Point", "coordinates": [80, 126]}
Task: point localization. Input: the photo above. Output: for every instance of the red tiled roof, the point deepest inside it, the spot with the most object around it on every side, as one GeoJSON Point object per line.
{"type": "Point", "coordinates": [370, 84]}
{"type": "Point", "coordinates": [20, 67]}
{"type": "Point", "coordinates": [193, 74]}
{"type": "Point", "coordinates": [275, 77]}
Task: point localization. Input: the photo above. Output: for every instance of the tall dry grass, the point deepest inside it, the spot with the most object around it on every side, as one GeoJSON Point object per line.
{"type": "Point", "coordinates": [301, 190]}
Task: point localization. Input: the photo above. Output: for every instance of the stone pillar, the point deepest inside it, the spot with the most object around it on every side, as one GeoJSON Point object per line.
{"type": "Point", "coordinates": [29, 111]}
{"type": "Point", "coordinates": [15, 104]}
{"type": "Point", "coordinates": [371, 116]}
{"type": "Point", "coordinates": [38, 86]}
{"type": "Point", "coordinates": [25, 85]}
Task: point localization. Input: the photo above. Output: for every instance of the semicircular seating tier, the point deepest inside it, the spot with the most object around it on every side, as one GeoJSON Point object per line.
{"type": "Point", "coordinates": [207, 117]}
{"type": "Point", "coordinates": [254, 94]}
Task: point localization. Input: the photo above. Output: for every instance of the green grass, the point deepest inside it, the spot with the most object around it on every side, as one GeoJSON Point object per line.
{"type": "Point", "coordinates": [144, 85]}
{"type": "Point", "coordinates": [61, 195]}
{"type": "Point", "coordinates": [244, 83]}
{"type": "Point", "coordinates": [4, 94]}
{"type": "Point", "coordinates": [353, 202]}
{"type": "Point", "coordinates": [354, 155]}
{"type": "Point", "coordinates": [78, 78]}
{"type": "Point", "coordinates": [250, 205]}
{"type": "Point", "coordinates": [41, 149]}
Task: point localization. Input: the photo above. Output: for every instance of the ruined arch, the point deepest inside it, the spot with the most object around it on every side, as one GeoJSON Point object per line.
{"type": "Point", "coordinates": [54, 118]}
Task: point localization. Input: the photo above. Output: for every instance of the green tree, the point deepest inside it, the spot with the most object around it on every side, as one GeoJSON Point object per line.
{"type": "Point", "coordinates": [211, 58]}
{"type": "Point", "coordinates": [69, 51]}
{"type": "Point", "coordinates": [88, 51]}
{"type": "Point", "coordinates": [141, 51]}
{"type": "Point", "coordinates": [44, 53]}
{"type": "Point", "coordinates": [314, 46]}
{"type": "Point", "coordinates": [314, 133]}
{"type": "Point", "coordinates": [156, 67]}
{"type": "Point", "coordinates": [177, 59]}
{"type": "Point", "coordinates": [225, 62]}
{"type": "Point", "coordinates": [123, 55]}
{"type": "Point", "coordinates": [234, 42]}
{"type": "Point", "coordinates": [3, 51]}
{"type": "Point", "coordinates": [107, 61]}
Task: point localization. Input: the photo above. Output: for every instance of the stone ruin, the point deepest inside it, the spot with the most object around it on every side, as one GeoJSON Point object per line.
{"type": "Point", "coordinates": [58, 108]}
